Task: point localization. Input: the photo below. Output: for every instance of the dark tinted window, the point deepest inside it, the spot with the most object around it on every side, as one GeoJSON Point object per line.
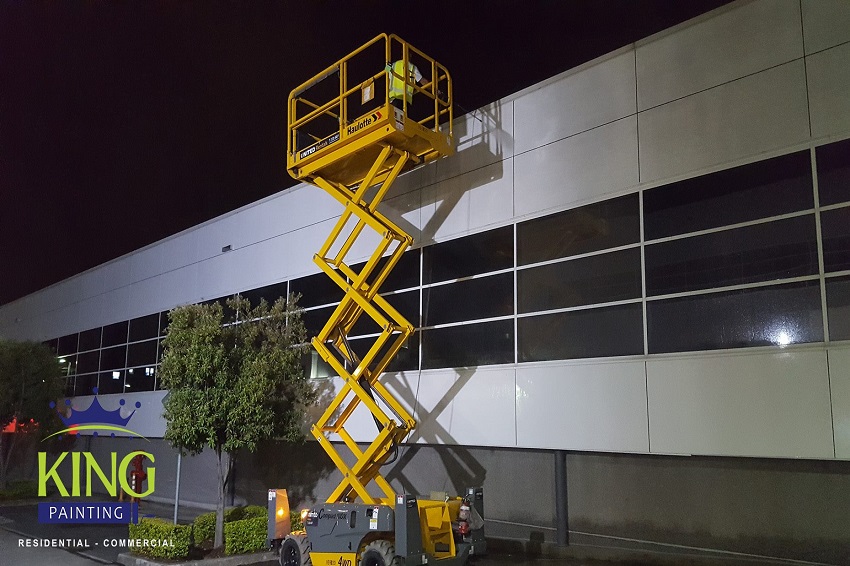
{"type": "Point", "coordinates": [596, 279]}
{"type": "Point", "coordinates": [67, 345]}
{"type": "Point", "coordinates": [113, 358]}
{"type": "Point", "coordinates": [838, 307]}
{"type": "Point", "coordinates": [140, 379]}
{"type": "Point", "coordinates": [775, 250]}
{"type": "Point", "coordinates": [144, 327]}
{"type": "Point", "coordinates": [314, 320]}
{"type": "Point", "coordinates": [784, 314]}
{"type": "Point", "coordinates": [471, 255]}
{"type": "Point", "coordinates": [317, 289]}
{"type": "Point", "coordinates": [115, 334]}
{"type": "Point", "coordinates": [470, 299]}
{"type": "Point", "coordinates": [407, 358]}
{"type": "Point", "coordinates": [315, 367]}
{"type": "Point", "coordinates": [85, 384]}
{"type": "Point", "coordinates": [88, 362]}
{"type": "Point", "coordinates": [591, 333]}
{"type": "Point", "coordinates": [53, 345]}
{"type": "Point", "coordinates": [69, 386]}
{"type": "Point", "coordinates": [468, 345]}
{"type": "Point", "coordinates": [68, 364]}
{"type": "Point", "coordinates": [835, 226]}
{"type": "Point", "coordinates": [270, 293]}
{"type": "Point", "coordinates": [590, 228]}
{"type": "Point", "coordinates": [404, 275]}
{"type": "Point", "coordinates": [111, 382]}
{"type": "Point", "coordinates": [834, 172]}
{"type": "Point", "coordinates": [407, 304]}
{"type": "Point", "coordinates": [141, 353]}
{"type": "Point", "coordinates": [758, 190]}
{"type": "Point", "coordinates": [90, 339]}
{"type": "Point", "coordinates": [163, 323]}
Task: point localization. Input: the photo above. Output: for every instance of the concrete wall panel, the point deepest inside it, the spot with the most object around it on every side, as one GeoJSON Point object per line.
{"type": "Point", "coordinates": [829, 84]}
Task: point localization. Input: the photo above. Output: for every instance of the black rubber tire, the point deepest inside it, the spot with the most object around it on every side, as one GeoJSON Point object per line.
{"type": "Point", "coordinates": [295, 551]}
{"type": "Point", "coordinates": [379, 553]}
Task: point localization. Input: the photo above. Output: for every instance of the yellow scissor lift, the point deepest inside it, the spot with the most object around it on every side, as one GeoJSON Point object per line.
{"type": "Point", "coordinates": [347, 137]}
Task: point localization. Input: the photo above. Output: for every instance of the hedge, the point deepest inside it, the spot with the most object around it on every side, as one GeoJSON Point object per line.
{"type": "Point", "coordinates": [205, 524]}
{"type": "Point", "coordinates": [177, 538]}
{"type": "Point", "coordinates": [245, 535]}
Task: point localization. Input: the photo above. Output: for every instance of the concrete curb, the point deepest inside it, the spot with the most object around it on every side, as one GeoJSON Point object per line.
{"type": "Point", "coordinates": [259, 558]}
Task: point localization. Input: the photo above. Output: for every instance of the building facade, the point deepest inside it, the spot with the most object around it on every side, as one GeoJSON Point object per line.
{"type": "Point", "coordinates": [644, 261]}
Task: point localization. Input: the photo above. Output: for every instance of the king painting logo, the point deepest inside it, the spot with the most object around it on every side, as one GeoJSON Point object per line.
{"type": "Point", "coordinates": [85, 466]}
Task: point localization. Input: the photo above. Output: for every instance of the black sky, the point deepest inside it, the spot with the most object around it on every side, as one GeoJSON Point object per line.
{"type": "Point", "coordinates": [122, 123]}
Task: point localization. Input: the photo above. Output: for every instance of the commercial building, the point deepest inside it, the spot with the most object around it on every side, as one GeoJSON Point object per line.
{"type": "Point", "coordinates": [644, 261]}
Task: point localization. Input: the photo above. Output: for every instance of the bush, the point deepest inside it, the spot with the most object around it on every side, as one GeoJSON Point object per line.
{"type": "Point", "coordinates": [245, 535]}
{"type": "Point", "coordinates": [177, 538]}
{"type": "Point", "coordinates": [20, 490]}
{"type": "Point", "coordinates": [205, 524]}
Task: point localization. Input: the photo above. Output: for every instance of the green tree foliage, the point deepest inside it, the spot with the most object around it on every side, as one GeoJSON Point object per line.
{"type": "Point", "coordinates": [234, 380]}
{"type": "Point", "coordinates": [30, 378]}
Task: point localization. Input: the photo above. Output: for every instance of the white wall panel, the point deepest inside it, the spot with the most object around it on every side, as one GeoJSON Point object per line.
{"type": "Point", "coordinates": [829, 90]}
{"type": "Point", "coordinates": [762, 405]}
{"type": "Point", "coordinates": [749, 38]}
{"type": "Point", "coordinates": [578, 102]}
{"type": "Point", "coordinates": [839, 378]}
{"type": "Point", "coordinates": [216, 275]}
{"type": "Point", "coordinates": [469, 202]}
{"type": "Point", "coordinates": [146, 263]}
{"type": "Point", "coordinates": [116, 273]}
{"type": "Point", "coordinates": [115, 306]}
{"type": "Point", "coordinates": [584, 167]}
{"type": "Point", "coordinates": [483, 137]}
{"type": "Point", "coordinates": [90, 283]}
{"type": "Point", "coordinates": [178, 287]}
{"type": "Point", "coordinates": [746, 117]}
{"type": "Point", "coordinates": [470, 406]}
{"type": "Point", "coordinates": [826, 23]}
{"type": "Point", "coordinates": [144, 296]}
{"type": "Point", "coordinates": [263, 263]}
{"type": "Point", "coordinates": [180, 250]}
{"type": "Point", "coordinates": [213, 236]}
{"type": "Point", "coordinates": [145, 420]}
{"type": "Point", "coordinates": [67, 319]}
{"type": "Point", "coordinates": [599, 406]}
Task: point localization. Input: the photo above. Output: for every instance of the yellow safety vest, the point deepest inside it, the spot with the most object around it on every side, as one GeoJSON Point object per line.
{"type": "Point", "coordinates": [397, 82]}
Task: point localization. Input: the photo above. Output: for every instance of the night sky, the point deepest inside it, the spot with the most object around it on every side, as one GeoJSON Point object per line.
{"type": "Point", "coordinates": [122, 123]}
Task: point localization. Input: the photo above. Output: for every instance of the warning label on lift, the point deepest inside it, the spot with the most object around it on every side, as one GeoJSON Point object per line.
{"type": "Point", "coordinates": [322, 144]}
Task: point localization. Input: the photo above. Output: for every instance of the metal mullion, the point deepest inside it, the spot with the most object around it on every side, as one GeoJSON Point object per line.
{"type": "Point", "coordinates": [834, 206]}
{"type": "Point", "coordinates": [835, 274]}
{"type": "Point", "coordinates": [468, 278]}
{"type": "Point", "coordinates": [644, 317]}
{"type": "Point", "coordinates": [819, 235]}
{"type": "Point", "coordinates": [581, 256]}
{"type": "Point", "coordinates": [581, 307]}
{"type": "Point", "coordinates": [739, 287]}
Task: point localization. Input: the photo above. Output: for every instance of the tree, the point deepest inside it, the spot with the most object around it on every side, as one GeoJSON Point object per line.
{"type": "Point", "coordinates": [30, 378]}
{"type": "Point", "coordinates": [234, 380]}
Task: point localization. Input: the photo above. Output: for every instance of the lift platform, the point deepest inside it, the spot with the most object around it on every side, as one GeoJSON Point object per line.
{"type": "Point", "coordinates": [352, 130]}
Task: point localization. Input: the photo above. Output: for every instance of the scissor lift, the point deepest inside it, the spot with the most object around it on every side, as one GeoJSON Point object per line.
{"type": "Point", "coordinates": [346, 137]}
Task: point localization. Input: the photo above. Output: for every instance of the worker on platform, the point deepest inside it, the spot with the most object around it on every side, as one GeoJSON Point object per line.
{"type": "Point", "coordinates": [397, 83]}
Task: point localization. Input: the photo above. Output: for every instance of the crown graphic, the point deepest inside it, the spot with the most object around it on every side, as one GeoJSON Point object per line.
{"type": "Point", "coordinates": [95, 414]}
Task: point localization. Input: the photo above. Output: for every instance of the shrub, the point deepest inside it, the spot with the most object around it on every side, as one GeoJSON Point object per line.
{"type": "Point", "coordinates": [205, 524]}
{"type": "Point", "coordinates": [176, 538]}
{"type": "Point", "coordinates": [245, 535]}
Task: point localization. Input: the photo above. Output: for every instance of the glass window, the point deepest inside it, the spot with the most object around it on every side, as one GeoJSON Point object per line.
{"type": "Point", "coordinates": [779, 315]}
{"type": "Point", "coordinates": [407, 304]}
{"type": "Point", "coordinates": [68, 364]}
{"type": "Point", "coordinates": [470, 299]}
{"type": "Point", "coordinates": [270, 293]}
{"type": "Point", "coordinates": [403, 276]}
{"type": "Point", "coordinates": [140, 379]}
{"type": "Point", "coordinates": [835, 226]}
{"type": "Point", "coordinates": [596, 279]}
{"type": "Point", "coordinates": [315, 367]}
{"type": "Point", "coordinates": [53, 345]}
{"type": "Point", "coordinates": [317, 289]}
{"type": "Point", "coordinates": [67, 345]}
{"type": "Point", "coordinates": [144, 327]}
{"type": "Point", "coordinates": [85, 384]}
{"type": "Point", "coordinates": [838, 307]}
{"type": "Point", "coordinates": [407, 358]}
{"type": "Point", "coordinates": [471, 255]}
{"type": "Point", "coordinates": [142, 353]}
{"type": "Point", "coordinates": [590, 333]}
{"type": "Point", "coordinates": [115, 334]}
{"type": "Point", "coordinates": [590, 228]}
{"type": "Point", "coordinates": [749, 192]}
{"type": "Point", "coordinates": [113, 358]}
{"type": "Point", "coordinates": [70, 382]}
{"type": "Point", "coordinates": [314, 320]}
{"type": "Point", "coordinates": [110, 382]}
{"type": "Point", "coordinates": [834, 172]}
{"type": "Point", "coordinates": [775, 250]}
{"type": "Point", "coordinates": [163, 323]}
{"type": "Point", "coordinates": [88, 362]}
{"type": "Point", "coordinates": [468, 345]}
{"type": "Point", "coordinates": [90, 340]}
